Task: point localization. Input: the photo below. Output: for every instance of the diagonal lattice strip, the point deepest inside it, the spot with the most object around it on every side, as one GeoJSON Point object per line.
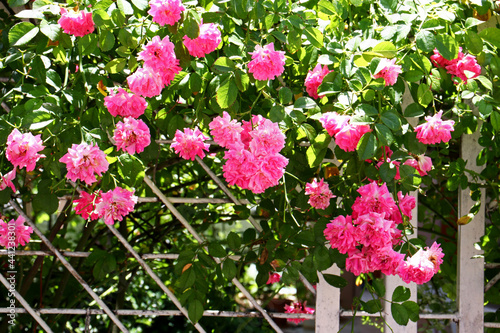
{"type": "Point", "coordinates": [193, 232]}
{"type": "Point", "coordinates": [69, 267]}
{"type": "Point", "coordinates": [235, 200]}
{"type": "Point", "coordinates": [25, 304]}
{"type": "Point", "coordinates": [152, 275]}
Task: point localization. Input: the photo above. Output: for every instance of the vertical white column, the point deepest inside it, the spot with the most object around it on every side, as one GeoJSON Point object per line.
{"type": "Point", "coordinates": [327, 304]}
{"type": "Point", "coordinates": [470, 275]}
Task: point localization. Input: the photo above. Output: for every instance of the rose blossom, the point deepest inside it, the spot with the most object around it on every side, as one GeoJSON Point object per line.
{"type": "Point", "coordinates": [166, 11]}
{"type": "Point", "coordinates": [422, 266]}
{"type": "Point", "coordinates": [266, 63]}
{"type": "Point", "coordinates": [86, 205]}
{"type": "Point", "coordinates": [189, 143]}
{"type": "Point", "coordinates": [320, 194]}
{"type": "Point", "coordinates": [297, 307]}
{"type": "Point", "coordinates": [22, 149]}
{"type": "Point", "coordinates": [76, 23]}
{"type": "Point", "coordinates": [314, 79]}
{"type": "Point", "coordinates": [389, 72]}
{"type": "Point", "coordinates": [421, 163]}
{"type": "Point", "coordinates": [273, 278]}
{"type": "Point", "coordinates": [435, 130]}
{"type": "Point", "coordinates": [208, 40]}
{"type": "Point", "coordinates": [115, 205]}
{"type": "Point", "coordinates": [125, 104]}
{"type": "Point", "coordinates": [20, 232]}
{"type": "Point", "coordinates": [225, 130]}
{"type": "Point", "coordinates": [333, 122]}
{"type": "Point", "coordinates": [83, 161]}
{"type": "Point", "coordinates": [132, 135]}
{"type": "Point", "coordinates": [459, 65]}
{"type": "Point", "coordinates": [6, 181]}
{"type": "Point", "coordinates": [159, 57]}
{"type": "Point", "coordinates": [145, 82]}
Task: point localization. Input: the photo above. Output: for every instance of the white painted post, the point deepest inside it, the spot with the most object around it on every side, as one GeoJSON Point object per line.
{"type": "Point", "coordinates": [391, 281]}
{"type": "Point", "coordinates": [327, 304]}
{"type": "Point", "coordinates": [470, 275]}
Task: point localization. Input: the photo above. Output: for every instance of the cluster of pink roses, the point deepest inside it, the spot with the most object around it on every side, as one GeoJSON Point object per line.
{"type": "Point", "coordinates": [368, 236]}
{"type": "Point", "coordinates": [14, 233]}
{"type": "Point", "coordinates": [110, 206]}
{"type": "Point", "coordinates": [253, 158]}
{"type": "Point", "coordinates": [458, 66]}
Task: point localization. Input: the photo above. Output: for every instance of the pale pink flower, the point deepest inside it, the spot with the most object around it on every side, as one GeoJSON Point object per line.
{"type": "Point", "coordinates": [314, 79]}
{"type": "Point", "coordinates": [159, 56]}
{"type": "Point", "coordinates": [76, 23]}
{"type": "Point", "coordinates": [145, 82]}
{"type": "Point", "coordinates": [115, 205]}
{"type": "Point", "coordinates": [125, 104]}
{"type": "Point", "coordinates": [341, 234]}
{"type": "Point", "coordinates": [224, 130]}
{"type": "Point", "coordinates": [86, 205]}
{"type": "Point", "coordinates": [389, 72]}
{"type": "Point", "coordinates": [267, 138]}
{"type": "Point", "coordinates": [333, 122]}
{"type": "Point", "coordinates": [6, 181]}
{"type": "Point", "coordinates": [166, 11]}
{"type": "Point", "coordinates": [208, 40]}
{"type": "Point", "coordinates": [22, 149]}
{"type": "Point", "coordinates": [189, 143]}
{"type": "Point", "coordinates": [84, 161]}
{"type": "Point", "coordinates": [266, 63]}
{"type": "Point", "coordinates": [273, 278]}
{"type": "Point", "coordinates": [435, 130]}
{"type": "Point", "coordinates": [320, 194]}
{"type": "Point", "coordinates": [297, 307]}
{"type": "Point", "coordinates": [422, 266]}
{"type": "Point", "coordinates": [132, 135]}
{"type": "Point", "coordinates": [374, 230]}
{"type": "Point", "coordinates": [14, 233]}
{"type": "Point", "coordinates": [421, 163]}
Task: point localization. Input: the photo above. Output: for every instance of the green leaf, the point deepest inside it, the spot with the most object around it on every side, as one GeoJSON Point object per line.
{"type": "Point", "coordinates": [88, 44]}
{"type": "Point", "coordinates": [53, 79]}
{"type": "Point", "coordinates": [277, 113]}
{"type": "Point", "coordinates": [223, 65]}
{"type": "Point", "coordinates": [188, 278]}
{"type": "Point", "coordinates": [305, 103]}
{"type": "Point", "coordinates": [424, 95]}
{"type": "Point", "coordinates": [195, 311]}
{"type": "Point", "coordinates": [384, 134]}
{"type": "Point", "coordinates": [399, 314]}
{"type": "Point", "coordinates": [191, 27]}
{"type": "Point", "coordinates": [389, 5]}
{"type": "Point", "coordinates": [401, 294]}
{"type": "Point", "coordinates": [141, 4]}
{"type": "Point", "coordinates": [367, 146]}
{"type": "Point", "coordinates": [414, 75]}
{"type": "Point", "coordinates": [37, 120]}
{"type": "Point", "coordinates": [101, 18]}
{"type": "Point", "coordinates": [107, 41]}
{"type": "Point", "coordinates": [426, 41]}
{"type": "Point", "coordinates": [314, 36]}
{"type": "Point", "coordinates": [294, 41]}
{"type": "Point", "coordinates": [176, 123]}
{"type": "Point", "coordinates": [447, 46]}
{"type": "Point", "coordinates": [50, 30]}
{"type": "Point", "coordinates": [485, 82]}
{"type": "Point", "coordinates": [233, 240]}
{"type": "Point", "coordinates": [131, 169]}
{"type": "Point", "coordinates": [242, 80]}
{"type": "Point", "coordinates": [491, 35]}
{"type": "Point", "coordinates": [384, 50]}
{"type": "Point", "coordinates": [38, 70]}
{"type": "Point", "coordinates": [322, 258]}
{"type": "Point", "coordinates": [391, 120]}
{"type": "Point", "coordinates": [315, 156]}
{"type": "Point", "coordinates": [285, 95]}
{"type": "Point", "coordinates": [125, 7]}
{"type": "Point", "coordinates": [216, 250]}
{"type": "Point", "coordinates": [387, 172]}
{"type": "Point", "coordinates": [473, 42]}
{"type": "Point", "coordinates": [495, 120]}
{"type": "Point", "coordinates": [16, 3]}
{"type": "Point", "coordinates": [335, 280]}
{"type": "Point", "coordinates": [227, 93]}
{"type": "Point", "coordinates": [413, 310]}
{"type": "Point", "coordinates": [229, 269]}
{"type": "Point", "coordinates": [372, 306]}
{"type": "Point", "coordinates": [22, 33]}
{"type": "Point", "coordinates": [46, 202]}
{"type": "Point", "coordinates": [116, 65]}
{"type": "Point", "coordinates": [326, 7]}
{"type": "Point", "coordinates": [414, 110]}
